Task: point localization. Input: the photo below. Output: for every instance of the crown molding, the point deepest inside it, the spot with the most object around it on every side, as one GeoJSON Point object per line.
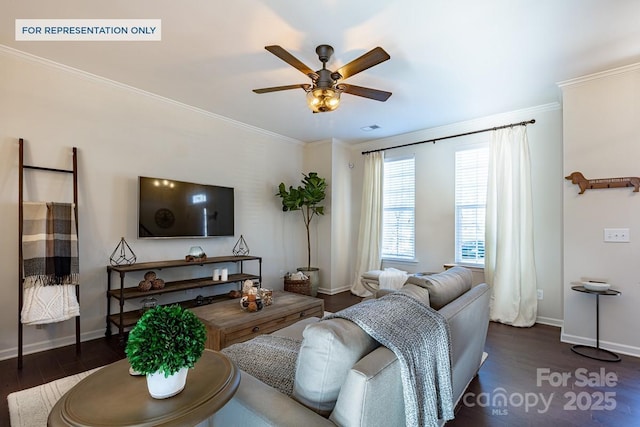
{"type": "Point", "coordinates": [9, 51]}
{"type": "Point", "coordinates": [602, 74]}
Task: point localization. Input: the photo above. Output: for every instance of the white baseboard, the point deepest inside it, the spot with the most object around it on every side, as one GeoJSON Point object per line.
{"type": "Point", "coordinates": [550, 321]}
{"type": "Point", "coordinates": [607, 345]}
{"type": "Point", "coordinates": [334, 291]}
{"type": "Point", "coordinates": [50, 344]}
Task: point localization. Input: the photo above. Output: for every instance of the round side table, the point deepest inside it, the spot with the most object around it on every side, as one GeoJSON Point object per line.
{"type": "Point", "coordinates": [111, 397]}
{"type": "Point", "coordinates": [596, 352]}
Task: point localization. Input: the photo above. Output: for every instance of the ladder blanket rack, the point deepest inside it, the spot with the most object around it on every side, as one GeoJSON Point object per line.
{"type": "Point", "coordinates": [21, 230]}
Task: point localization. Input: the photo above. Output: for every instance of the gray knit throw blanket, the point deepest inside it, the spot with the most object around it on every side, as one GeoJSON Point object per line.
{"type": "Point", "coordinates": [419, 337]}
{"type": "Point", "coordinates": [271, 359]}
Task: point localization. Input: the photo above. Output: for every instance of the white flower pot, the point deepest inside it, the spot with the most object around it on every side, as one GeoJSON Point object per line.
{"type": "Point", "coordinates": [161, 387]}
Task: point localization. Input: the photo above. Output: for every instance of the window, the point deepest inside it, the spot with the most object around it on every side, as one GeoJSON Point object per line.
{"type": "Point", "coordinates": [398, 222]}
{"type": "Point", "coordinates": [472, 168]}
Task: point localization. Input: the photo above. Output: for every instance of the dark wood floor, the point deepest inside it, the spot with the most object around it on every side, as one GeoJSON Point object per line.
{"type": "Point", "coordinates": [511, 371]}
{"type": "Point", "coordinates": [527, 365]}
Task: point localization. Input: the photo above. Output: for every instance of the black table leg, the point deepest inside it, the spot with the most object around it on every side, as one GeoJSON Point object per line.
{"type": "Point", "coordinates": [596, 352]}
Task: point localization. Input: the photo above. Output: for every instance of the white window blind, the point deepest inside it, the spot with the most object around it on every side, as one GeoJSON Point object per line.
{"type": "Point", "coordinates": [472, 167]}
{"type": "Point", "coordinates": [398, 223]}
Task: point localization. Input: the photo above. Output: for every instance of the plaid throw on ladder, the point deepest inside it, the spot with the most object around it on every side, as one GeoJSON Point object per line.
{"type": "Point", "coordinates": [50, 257]}
{"type": "Point", "coordinates": [49, 244]}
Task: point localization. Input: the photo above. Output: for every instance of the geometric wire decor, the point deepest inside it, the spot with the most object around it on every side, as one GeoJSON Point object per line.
{"type": "Point", "coordinates": [241, 247]}
{"type": "Point", "coordinates": [119, 256]}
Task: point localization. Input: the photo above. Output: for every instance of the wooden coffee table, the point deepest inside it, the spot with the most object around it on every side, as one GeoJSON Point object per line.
{"type": "Point", "coordinates": [111, 397]}
{"type": "Point", "coordinates": [228, 324]}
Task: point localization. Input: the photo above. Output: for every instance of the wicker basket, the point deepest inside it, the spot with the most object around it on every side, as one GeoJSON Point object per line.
{"type": "Point", "coordinates": [298, 286]}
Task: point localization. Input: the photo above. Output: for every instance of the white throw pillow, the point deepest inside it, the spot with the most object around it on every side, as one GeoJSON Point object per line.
{"type": "Point", "coordinates": [329, 349]}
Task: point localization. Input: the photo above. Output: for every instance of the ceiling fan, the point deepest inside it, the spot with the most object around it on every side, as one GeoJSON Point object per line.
{"type": "Point", "coordinates": [323, 94]}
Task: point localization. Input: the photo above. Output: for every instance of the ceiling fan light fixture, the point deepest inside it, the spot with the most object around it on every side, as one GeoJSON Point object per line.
{"type": "Point", "coordinates": [322, 100]}
{"type": "Point", "coordinates": [323, 94]}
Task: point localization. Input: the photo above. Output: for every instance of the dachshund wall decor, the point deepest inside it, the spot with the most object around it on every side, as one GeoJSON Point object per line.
{"type": "Point", "coordinates": [587, 184]}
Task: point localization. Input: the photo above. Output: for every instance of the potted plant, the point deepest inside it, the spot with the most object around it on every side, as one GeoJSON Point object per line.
{"type": "Point", "coordinates": [164, 344]}
{"type": "Point", "coordinates": [306, 198]}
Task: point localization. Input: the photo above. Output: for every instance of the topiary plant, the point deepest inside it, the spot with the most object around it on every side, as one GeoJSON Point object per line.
{"type": "Point", "coordinates": [166, 339]}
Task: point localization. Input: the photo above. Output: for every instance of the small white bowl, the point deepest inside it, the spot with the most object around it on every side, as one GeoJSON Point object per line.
{"type": "Point", "coordinates": [596, 286]}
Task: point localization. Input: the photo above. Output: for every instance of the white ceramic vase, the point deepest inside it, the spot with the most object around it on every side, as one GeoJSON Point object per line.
{"type": "Point", "coordinates": [162, 388]}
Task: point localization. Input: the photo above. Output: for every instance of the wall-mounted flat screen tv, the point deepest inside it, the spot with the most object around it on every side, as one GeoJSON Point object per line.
{"type": "Point", "coordinates": [175, 209]}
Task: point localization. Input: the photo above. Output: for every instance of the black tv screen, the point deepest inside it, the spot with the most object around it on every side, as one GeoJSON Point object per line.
{"type": "Point", "coordinates": [171, 209]}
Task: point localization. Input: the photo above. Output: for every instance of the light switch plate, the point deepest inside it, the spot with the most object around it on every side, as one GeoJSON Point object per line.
{"type": "Point", "coordinates": [616, 235]}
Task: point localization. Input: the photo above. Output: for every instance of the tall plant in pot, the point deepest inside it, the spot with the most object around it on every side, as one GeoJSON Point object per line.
{"type": "Point", "coordinates": [306, 198]}
{"type": "Point", "coordinates": [164, 344]}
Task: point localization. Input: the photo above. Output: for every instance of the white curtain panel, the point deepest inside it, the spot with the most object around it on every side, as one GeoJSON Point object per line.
{"type": "Point", "coordinates": [370, 232]}
{"type": "Point", "coordinates": [509, 257]}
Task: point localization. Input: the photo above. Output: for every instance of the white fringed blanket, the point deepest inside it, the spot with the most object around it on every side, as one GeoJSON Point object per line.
{"type": "Point", "coordinates": [50, 263]}
{"type": "Point", "coordinates": [392, 278]}
{"type": "Point", "coordinates": [49, 304]}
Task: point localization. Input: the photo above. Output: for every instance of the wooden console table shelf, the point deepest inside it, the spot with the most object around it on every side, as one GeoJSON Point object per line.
{"type": "Point", "coordinates": [124, 319]}
{"type": "Point", "coordinates": [180, 285]}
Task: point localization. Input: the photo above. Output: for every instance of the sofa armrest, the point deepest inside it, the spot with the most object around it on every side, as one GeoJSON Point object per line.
{"type": "Point", "coordinates": [372, 393]}
{"type": "Point", "coordinates": [257, 404]}
{"type": "Point", "coordinates": [468, 318]}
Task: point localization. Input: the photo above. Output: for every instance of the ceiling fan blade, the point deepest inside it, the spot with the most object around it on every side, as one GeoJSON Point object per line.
{"type": "Point", "coordinates": [291, 60]}
{"type": "Point", "coordinates": [365, 92]}
{"type": "Point", "coordinates": [368, 60]}
{"type": "Point", "coordinates": [277, 88]}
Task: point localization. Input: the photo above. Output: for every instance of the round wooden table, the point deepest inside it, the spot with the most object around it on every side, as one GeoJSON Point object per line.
{"type": "Point", "coordinates": [111, 397]}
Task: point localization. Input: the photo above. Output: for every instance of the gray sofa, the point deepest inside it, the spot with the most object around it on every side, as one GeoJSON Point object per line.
{"type": "Point", "coordinates": [343, 377]}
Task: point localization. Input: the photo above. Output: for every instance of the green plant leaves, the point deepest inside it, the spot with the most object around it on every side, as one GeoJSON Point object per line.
{"type": "Point", "coordinates": [166, 339]}
{"type": "Point", "coordinates": [305, 198]}
{"type": "Point", "coordinates": [312, 192]}
{"type": "Point", "coordinates": [314, 189]}
{"type": "Point", "coordinates": [292, 200]}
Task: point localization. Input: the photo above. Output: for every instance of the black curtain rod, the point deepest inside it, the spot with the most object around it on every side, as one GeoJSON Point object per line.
{"type": "Point", "coordinates": [530, 122]}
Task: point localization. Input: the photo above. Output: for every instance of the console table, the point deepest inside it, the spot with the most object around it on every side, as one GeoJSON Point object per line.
{"type": "Point", "coordinates": [124, 319]}
{"type": "Point", "coordinates": [112, 397]}
{"type": "Point", "coordinates": [596, 352]}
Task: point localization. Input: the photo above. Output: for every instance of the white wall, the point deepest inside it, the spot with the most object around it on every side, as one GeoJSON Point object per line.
{"type": "Point", "coordinates": [330, 234]}
{"type": "Point", "coordinates": [435, 194]}
{"type": "Point", "coordinates": [317, 158]}
{"type": "Point", "coordinates": [601, 134]}
{"type": "Point", "coordinates": [122, 133]}
{"type": "Point", "coordinates": [342, 200]}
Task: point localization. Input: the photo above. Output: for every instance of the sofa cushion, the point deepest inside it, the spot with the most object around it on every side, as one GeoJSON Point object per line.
{"type": "Point", "coordinates": [446, 286]}
{"type": "Point", "coordinates": [329, 349]}
{"type": "Point", "coordinates": [418, 292]}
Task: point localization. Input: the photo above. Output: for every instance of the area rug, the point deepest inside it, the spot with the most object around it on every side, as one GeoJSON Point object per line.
{"type": "Point", "coordinates": [31, 407]}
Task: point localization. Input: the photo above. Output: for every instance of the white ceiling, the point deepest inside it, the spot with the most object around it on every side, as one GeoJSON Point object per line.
{"type": "Point", "coordinates": [450, 60]}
